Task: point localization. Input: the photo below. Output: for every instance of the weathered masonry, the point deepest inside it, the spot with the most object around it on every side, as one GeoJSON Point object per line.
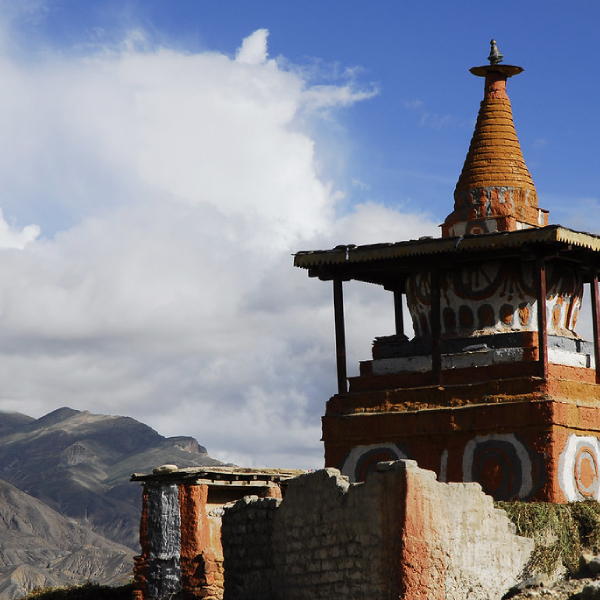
{"type": "Point", "coordinates": [401, 534]}
{"type": "Point", "coordinates": [180, 530]}
{"type": "Point", "coordinates": [496, 386]}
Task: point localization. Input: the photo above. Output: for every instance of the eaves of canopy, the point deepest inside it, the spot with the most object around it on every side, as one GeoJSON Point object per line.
{"type": "Point", "coordinates": [388, 265]}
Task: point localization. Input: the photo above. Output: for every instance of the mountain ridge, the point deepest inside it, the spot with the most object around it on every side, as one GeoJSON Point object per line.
{"type": "Point", "coordinates": [74, 467]}
{"type": "Point", "coordinates": [40, 547]}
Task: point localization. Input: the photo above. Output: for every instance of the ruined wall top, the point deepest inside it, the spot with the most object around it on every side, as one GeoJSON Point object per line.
{"type": "Point", "coordinates": [231, 476]}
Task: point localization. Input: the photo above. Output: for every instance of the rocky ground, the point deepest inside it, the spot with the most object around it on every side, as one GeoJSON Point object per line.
{"type": "Point", "coordinates": [584, 586]}
{"type": "Point", "coordinates": [572, 589]}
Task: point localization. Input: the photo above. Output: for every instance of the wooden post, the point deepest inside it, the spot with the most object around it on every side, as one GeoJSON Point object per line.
{"type": "Point", "coordinates": [596, 321]}
{"type": "Point", "coordinates": [436, 328]}
{"type": "Point", "coordinates": [340, 335]}
{"type": "Point", "coordinates": [542, 320]}
{"type": "Point", "coordinates": [398, 316]}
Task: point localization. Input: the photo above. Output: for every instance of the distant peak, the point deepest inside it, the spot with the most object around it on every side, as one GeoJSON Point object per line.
{"type": "Point", "coordinates": [186, 443]}
{"type": "Point", "coordinates": [11, 421]}
{"type": "Point", "coordinates": [58, 415]}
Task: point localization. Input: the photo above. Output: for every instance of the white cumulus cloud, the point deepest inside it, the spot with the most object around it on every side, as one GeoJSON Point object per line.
{"type": "Point", "coordinates": [253, 50]}
{"type": "Point", "coordinates": [11, 237]}
{"type": "Point", "coordinates": [169, 190]}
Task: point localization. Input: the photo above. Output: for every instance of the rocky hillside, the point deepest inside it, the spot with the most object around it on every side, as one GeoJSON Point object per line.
{"type": "Point", "coordinates": [68, 512]}
{"type": "Point", "coordinates": [39, 548]}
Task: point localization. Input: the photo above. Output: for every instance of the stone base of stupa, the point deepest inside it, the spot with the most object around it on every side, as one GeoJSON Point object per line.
{"type": "Point", "coordinates": [519, 435]}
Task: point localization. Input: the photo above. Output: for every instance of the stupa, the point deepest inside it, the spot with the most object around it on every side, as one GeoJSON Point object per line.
{"type": "Point", "coordinates": [495, 386]}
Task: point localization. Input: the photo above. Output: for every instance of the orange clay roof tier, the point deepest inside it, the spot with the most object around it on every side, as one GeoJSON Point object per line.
{"type": "Point", "coordinates": [495, 191]}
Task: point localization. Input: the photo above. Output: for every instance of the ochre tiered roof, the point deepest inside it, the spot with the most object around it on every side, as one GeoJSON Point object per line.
{"type": "Point", "coordinates": [495, 191]}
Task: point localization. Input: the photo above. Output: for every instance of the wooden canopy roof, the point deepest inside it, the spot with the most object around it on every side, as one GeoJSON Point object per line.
{"type": "Point", "coordinates": [388, 264]}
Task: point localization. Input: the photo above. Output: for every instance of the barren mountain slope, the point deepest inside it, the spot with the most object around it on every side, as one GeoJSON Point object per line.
{"type": "Point", "coordinates": [39, 547]}
{"type": "Point", "coordinates": [79, 464]}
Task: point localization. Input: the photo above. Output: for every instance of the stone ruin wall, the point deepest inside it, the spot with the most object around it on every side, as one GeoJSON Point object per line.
{"type": "Point", "coordinates": [179, 550]}
{"type": "Point", "coordinates": [320, 539]}
{"type": "Point", "coordinates": [248, 531]}
{"type": "Point", "coordinates": [400, 534]}
{"type": "Point", "coordinates": [180, 538]}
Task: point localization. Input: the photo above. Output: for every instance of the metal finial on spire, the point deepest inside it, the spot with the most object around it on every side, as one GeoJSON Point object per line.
{"type": "Point", "coordinates": [495, 57]}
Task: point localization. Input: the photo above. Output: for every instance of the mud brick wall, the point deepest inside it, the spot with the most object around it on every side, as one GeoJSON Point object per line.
{"type": "Point", "coordinates": [455, 543]}
{"type": "Point", "coordinates": [249, 563]}
{"type": "Point", "coordinates": [180, 535]}
{"type": "Point", "coordinates": [201, 568]}
{"type": "Point", "coordinates": [320, 542]}
{"type": "Point", "coordinates": [328, 539]}
{"type": "Point", "coordinates": [400, 534]}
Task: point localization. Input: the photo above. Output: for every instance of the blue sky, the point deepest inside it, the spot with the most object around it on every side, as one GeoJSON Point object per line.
{"type": "Point", "coordinates": [161, 161]}
{"type": "Point", "coordinates": [407, 144]}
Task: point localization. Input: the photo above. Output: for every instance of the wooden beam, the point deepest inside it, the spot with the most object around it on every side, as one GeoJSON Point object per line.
{"type": "Point", "coordinates": [340, 336]}
{"type": "Point", "coordinates": [398, 314]}
{"type": "Point", "coordinates": [436, 328]}
{"type": "Point", "coordinates": [542, 319]}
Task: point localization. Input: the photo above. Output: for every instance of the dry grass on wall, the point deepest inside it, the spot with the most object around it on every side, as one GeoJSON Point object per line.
{"type": "Point", "coordinates": [561, 532]}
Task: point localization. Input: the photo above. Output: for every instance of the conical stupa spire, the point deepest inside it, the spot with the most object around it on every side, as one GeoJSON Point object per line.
{"type": "Point", "coordinates": [495, 191]}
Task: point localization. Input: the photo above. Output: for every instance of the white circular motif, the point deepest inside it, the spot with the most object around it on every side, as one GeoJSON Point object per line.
{"type": "Point", "coordinates": [578, 468]}
{"type": "Point", "coordinates": [514, 465]}
{"type": "Point", "coordinates": [352, 465]}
